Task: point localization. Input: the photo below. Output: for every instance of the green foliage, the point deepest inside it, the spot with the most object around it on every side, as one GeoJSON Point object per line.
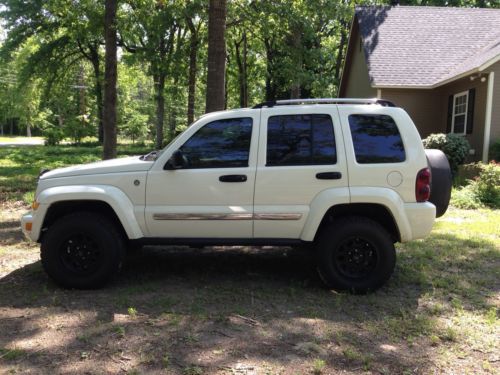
{"type": "Point", "coordinates": [487, 185]}
{"type": "Point", "coordinates": [454, 146]}
{"type": "Point", "coordinates": [495, 150]}
{"type": "Point", "coordinates": [483, 191]}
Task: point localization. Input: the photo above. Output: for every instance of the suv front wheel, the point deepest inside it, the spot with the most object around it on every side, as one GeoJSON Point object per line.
{"type": "Point", "coordinates": [82, 250]}
{"type": "Point", "coordinates": [355, 254]}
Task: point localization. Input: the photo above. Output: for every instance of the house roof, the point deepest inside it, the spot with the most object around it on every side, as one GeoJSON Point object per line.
{"type": "Point", "coordinates": [417, 46]}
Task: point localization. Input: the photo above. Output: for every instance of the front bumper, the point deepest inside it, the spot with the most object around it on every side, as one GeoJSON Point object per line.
{"type": "Point", "coordinates": [31, 223]}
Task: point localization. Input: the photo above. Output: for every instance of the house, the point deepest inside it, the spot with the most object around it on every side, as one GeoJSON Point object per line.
{"type": "Point", "coordinates": [441, 64]}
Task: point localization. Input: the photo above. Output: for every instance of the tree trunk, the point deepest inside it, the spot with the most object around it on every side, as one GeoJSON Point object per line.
{"type": "Point", "coordinates": [193, 70]}
{"type": "Point", "coordinates": [241, 61]}
{"type": "Point", "coordinates": [271, 88]}
{"type": "Point", "coordinates": [160, 108]}
{"type": "Point", "coordinates": [94, 54]}
{"type": "Point", "coordinates": [299, 58]}
{"type": "Point", "coordinates": [110, 77]}
{"type": "Point", "coordinates": [215, 97]}
{"type": "Point", "coordinates": [342, 45]}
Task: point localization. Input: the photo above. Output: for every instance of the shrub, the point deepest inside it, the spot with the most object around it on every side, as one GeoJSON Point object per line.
{"type": "Point", "coordinates": [495, 150]}
{"type": "Point", "coordinates": [454, 146]}
{"type": "Point", "coordinates": [484, 190]}
{"type": "Point", "coordinates": [487, 185]}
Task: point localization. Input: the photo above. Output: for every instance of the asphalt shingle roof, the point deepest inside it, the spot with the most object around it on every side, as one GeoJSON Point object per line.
{"type": "Point", "coordinates": [424, 46]}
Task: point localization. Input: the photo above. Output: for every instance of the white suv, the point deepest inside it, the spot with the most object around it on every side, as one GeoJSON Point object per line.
{"type": "Point", "coordinates": [349, 176]}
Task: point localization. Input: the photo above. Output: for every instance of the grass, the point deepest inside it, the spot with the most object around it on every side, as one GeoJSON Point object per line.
{"type": "Point", "coordinates": [440, 306]}
{"type": "Point", "coordinates": [20, 165]}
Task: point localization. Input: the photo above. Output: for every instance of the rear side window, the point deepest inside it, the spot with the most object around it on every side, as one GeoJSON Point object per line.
{"type": "Point", "coordinates": [300, 140]}
{"type": "Point", "coordinates": [376, 139]}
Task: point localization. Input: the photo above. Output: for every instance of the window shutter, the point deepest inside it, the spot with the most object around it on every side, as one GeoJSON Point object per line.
{"type": "Point", "coordinates": [470, 110]}
{"type": "Point", "coordinates": [450, 114]}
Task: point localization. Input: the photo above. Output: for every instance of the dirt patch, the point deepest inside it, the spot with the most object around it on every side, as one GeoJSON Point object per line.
{"type": "Point", "coordinates": [237, 310]}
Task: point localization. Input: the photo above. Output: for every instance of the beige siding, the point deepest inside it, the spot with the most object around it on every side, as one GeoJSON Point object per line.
{"type": "Point", "coordinates": [423, 106]}
{"type": "Point", "coordinates": [358, 81]}
{"type": "Point", "coordinates": [495, 116]}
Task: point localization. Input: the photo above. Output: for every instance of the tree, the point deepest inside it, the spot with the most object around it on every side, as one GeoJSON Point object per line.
{"type": "Point", "coordinates": [216, 61]}
{"type": "Point", "coordinates": [110, 77]}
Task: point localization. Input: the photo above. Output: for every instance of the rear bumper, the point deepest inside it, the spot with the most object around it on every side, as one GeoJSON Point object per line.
{"type": "Point", "coordinates": [421, 217]}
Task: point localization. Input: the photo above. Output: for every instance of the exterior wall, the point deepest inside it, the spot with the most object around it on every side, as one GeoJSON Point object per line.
{"type": "Point", "coordinates": [357, 79]}
{"type": "Point", "coordinates": [429, 109]}
{"type": "Point", "coordinates": [476, 139]}
{"type": "Point", "coordinates": [424, 107]}
{"type": "Point", "coordinates": [495, 116]}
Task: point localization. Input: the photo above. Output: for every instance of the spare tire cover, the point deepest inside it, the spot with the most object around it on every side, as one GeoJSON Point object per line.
{"type": "Point", "coordinates": [441, 180]}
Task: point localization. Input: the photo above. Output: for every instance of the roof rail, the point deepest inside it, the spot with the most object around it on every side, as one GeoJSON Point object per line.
{"type": "Point", "coordinates": [274, 103]}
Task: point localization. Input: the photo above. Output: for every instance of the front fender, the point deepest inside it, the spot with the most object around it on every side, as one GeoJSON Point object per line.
{"type": "Point", "coordinates": [114, 197]}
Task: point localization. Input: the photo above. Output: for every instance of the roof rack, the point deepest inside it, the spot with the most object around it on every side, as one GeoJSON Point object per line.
{"type": "Point", "coordinates": [273, 103]}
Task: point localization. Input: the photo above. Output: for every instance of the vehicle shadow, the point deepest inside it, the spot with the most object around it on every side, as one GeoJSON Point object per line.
{"type": "Point", "coordinates": [250, 304]}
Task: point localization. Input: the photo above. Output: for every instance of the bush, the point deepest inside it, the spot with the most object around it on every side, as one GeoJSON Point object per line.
{"type": "Point", "coordinates": [454, 146]}
{"type": "Point", "coordinates": [495, 150]}
{"type": "Point", "coordinates": [484, 190]}
{"type": "Point", "coordinates": [487, 185]}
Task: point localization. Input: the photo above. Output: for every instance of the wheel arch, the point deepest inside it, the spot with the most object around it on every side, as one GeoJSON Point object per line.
{"type": "Point", "coordinates": [107, 200]}
{"type": "Point", "coordinates": [63, 208]}
{"type": "Point", "coordinates": [373, 211]}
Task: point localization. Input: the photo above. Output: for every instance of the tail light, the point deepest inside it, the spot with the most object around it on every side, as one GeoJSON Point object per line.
{"type": "Point", "coordinates": [423, 185]}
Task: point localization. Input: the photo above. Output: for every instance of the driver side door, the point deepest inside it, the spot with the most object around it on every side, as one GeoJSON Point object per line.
{"type": "Point", "coordinates": [211, 195]}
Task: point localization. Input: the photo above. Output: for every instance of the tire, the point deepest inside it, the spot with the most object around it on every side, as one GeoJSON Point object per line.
{"type": "Point", "coordinates": [355, 254]}
{"type": "Point", "coordinates": [70, 267]}
{"type": "Point", "coordinates": [441, 180]}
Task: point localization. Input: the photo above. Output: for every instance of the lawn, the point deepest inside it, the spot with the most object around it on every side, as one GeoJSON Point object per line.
{"type": "Point", "coordinates": [20, 166]}
{"type": "Point", "coordinates": [244, 310]}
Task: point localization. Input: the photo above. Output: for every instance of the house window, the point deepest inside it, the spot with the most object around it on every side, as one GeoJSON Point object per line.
{"type": "Point", "coordinates": [459, 117]}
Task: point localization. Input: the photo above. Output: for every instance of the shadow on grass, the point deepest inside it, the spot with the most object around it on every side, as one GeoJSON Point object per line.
{"type": "Point", "coordinates": [255, 305]}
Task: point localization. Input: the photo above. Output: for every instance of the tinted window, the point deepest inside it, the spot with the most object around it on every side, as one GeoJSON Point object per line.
{"type": "Point", "coordinates": [300, 140]}
{"type": "Point", "coordinates": [376, 139]}
{"type": "Point", "coordinates": [220, 144]}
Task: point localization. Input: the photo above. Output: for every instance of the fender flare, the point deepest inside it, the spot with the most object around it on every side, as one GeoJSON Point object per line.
{"type": "Point", "coordinates": [114, 197]}
{"type": "Point", "coordinates": [331, 197]}
{"type": "Point", "coordinates": [321, 203]}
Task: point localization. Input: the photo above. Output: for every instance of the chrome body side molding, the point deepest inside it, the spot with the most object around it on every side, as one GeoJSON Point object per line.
{"type": "Point", "coordinates": [235, 216]}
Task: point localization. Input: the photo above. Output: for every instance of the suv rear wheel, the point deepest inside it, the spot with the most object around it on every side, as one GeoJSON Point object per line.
{"type": "Point", "coordinates": [82, 250]}
{"type": "Point", "coordinates": [355, 254]}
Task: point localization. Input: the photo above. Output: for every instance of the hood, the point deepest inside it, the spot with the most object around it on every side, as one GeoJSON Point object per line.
{"type": "Point", "coordinates": [129, 164]}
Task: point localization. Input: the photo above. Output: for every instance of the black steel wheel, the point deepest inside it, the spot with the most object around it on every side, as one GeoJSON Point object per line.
{"type": "Point", "coordinates": [355, 258]}
{"type": "Point", "coordinates": [82, 250]}
{"type": "Point", "coordinates": [355, 254]}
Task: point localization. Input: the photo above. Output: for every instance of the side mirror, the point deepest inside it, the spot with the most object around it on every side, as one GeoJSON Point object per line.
{"type": "Point", "coordinates": [176, 161]}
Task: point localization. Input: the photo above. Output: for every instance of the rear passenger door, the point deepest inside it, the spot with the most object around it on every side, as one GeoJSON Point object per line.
{"type": "Point", "coordinates": [300, 155]}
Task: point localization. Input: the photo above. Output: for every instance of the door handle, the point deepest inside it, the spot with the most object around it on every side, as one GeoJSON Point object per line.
{"type": "Point", "coordinates": [329, 176]}
{"type": "Point", "coordinates": [233, 178]}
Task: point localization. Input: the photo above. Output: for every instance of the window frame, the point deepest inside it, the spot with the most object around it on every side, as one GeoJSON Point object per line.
{"type": "Point", "coordinates": [454, 114]}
